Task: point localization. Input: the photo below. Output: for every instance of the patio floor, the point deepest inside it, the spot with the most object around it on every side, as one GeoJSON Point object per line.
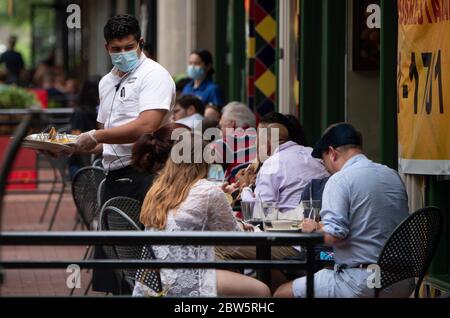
{"type": "Point", "coordinates": [22, 213]}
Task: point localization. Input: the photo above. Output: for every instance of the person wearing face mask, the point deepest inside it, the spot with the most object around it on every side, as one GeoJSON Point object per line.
{"type": "Point", "coordinates": [136, 98]}
{"type": "Point", "coordinates": [200, 70]}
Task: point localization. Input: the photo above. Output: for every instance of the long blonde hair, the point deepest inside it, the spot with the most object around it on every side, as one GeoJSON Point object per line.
{"type": "Point", "coordinates": [172, 187]}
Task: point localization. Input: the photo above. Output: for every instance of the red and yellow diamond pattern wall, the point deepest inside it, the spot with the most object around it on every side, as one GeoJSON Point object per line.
{"type": "Point", "coordinates": [261, 48]}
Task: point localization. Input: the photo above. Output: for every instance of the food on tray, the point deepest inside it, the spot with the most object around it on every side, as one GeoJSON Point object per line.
{"type": "Point", "coordinates": [51, 141]}
{"type": "Point", "coordinates": [52, 135]}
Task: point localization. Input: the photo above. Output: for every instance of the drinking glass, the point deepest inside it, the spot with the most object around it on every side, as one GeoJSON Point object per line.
{"type": "Point", "coordinates": [247, 208]}
{"type": "Point", "coordinates": [311, 209]}
{"type": "Point", "coordinates": [270, 214]}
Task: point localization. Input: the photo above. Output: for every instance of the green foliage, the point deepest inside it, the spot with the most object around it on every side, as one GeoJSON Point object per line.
{"type": "Point", "coordinates": [21, 13]}
{"type": "Point", "coordinates": [16, 97]}
{"type": "Point", "coordinates": [19, 24]}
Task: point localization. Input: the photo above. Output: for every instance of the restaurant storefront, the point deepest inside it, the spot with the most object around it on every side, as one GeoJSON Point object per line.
{"type": "Point", "coordinates": [328, 62]}
{"type": "Point", "coordinates": [380, 65]}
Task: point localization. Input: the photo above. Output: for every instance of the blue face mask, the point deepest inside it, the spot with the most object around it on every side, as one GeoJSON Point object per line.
{"type": "Point", "coordinates": [195, 72]}
{"type": "Point", "coordinates": [125, 61]}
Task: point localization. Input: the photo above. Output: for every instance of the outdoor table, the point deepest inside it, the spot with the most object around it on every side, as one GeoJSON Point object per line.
{"type": "Point", "coordinates": [262, 240]}
{"type": "Point", "coordinates": [264, 252]}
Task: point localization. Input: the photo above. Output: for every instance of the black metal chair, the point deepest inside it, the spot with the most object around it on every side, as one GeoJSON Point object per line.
{"type": "Point", "coordinates": [129, 206]}
{"type": "Point", "coordinates": [97, 163]}
{"type": "Point", "coordinates": [122, 214]}
{"type": "Point", "coordinates": [118, 214]}
{"type": "Point", "coordinates": [410, 249]}
{"type": "Point", "coordinates": [114, 219]}
{"type": "Point", "coordinates": [147, 276]}
{"type": "Point", "coordinates": [101, 192]}
{"type": "Point", "coordinates": [85, 185]}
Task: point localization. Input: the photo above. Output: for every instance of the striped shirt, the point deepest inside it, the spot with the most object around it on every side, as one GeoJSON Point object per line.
{"type": "Point", "coordinates": [236, 151]}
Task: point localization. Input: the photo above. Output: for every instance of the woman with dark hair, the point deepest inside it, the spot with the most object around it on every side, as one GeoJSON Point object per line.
{"type": "Point", "coordinates": [200, 70]}
{"type": "Point", "coordinates": [151, 151]}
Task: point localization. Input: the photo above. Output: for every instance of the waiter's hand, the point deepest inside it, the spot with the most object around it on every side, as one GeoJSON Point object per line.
{"type": "Point", "coordinates": [86, 142]}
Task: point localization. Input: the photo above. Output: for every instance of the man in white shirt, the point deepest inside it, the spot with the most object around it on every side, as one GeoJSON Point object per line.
{"type": "Point", "coordinates": [135, 99]}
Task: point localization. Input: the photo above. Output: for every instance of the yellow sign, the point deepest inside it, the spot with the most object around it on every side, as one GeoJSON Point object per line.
{"type": "Point", "coordinates": [423, 85]}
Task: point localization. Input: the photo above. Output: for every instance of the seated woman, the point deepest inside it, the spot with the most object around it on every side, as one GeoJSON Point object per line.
{"type": "Point", "coordinates": [181, 199]}
{"type": "Point", "coordinates": [149, 154]}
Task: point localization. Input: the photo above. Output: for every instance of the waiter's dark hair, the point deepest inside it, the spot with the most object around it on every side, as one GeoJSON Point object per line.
{"type": "Point", "coordinates": [206, 58]}
{"type": "Point", "coordinates": [121, 26]}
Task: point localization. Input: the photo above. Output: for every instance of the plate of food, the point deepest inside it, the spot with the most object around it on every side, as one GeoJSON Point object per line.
{"type": "Point", "coordinates": [51, 141]}
{"type": "Point", "coordinates": [297, 230]}
{"type": "Point", "coordinates": [282, 226]}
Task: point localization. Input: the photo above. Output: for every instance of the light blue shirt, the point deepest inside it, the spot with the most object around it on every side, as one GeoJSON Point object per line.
{"type": "Point", "coordinates": [362, 204]}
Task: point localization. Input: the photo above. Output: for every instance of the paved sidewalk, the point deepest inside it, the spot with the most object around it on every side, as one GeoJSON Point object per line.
{"type": "Point", "coordinates": [21, 213]}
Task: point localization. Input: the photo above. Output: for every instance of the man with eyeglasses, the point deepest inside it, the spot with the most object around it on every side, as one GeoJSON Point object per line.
{"type": "Point", "coordinates": [362, 203]}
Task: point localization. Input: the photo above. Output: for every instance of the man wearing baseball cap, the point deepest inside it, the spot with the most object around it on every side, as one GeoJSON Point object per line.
{"type": "Point", "coordinates": [362, 204]}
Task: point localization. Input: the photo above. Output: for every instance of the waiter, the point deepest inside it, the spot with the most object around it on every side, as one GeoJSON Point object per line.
{"type": "Point", "coordinates": [135, 99]}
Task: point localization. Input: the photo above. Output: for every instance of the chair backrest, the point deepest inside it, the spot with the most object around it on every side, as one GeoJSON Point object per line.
{"type": "Point", "coordinates": [98, 163]}
{"type": "Point", "coordinates": [122, 214]}
{"type": "Point", "coordinates": [410, 248]}
{"type": "Point", "coordinates": [129, 206]}
{"type": "Point", "coordinates": [148, 276]}
{"type": "Point", "coordinates": [101, 192]}
{"type": "Point", "coordinates": [84, 191]}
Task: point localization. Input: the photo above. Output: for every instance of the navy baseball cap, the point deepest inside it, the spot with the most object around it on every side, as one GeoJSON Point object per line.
{"type": "Point", "coordinates": [337, 136]}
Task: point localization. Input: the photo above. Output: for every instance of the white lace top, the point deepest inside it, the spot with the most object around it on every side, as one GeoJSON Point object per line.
{"type": "Point", "coordinates": [205, 209]}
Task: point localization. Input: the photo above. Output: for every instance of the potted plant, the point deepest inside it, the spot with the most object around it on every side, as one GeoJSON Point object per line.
{"type": "Point", "coordinates": [13, 97]}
